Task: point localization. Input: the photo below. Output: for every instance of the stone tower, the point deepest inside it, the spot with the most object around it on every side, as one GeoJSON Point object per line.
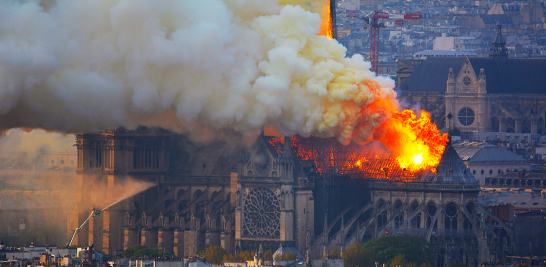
{"type": "Point", "coordinates": [105, 160]}
{"type": "Point", "coordinates": [273, 206]}
{"type": "Point", "coordinates": [265, 206]}
{"type": "Point", "coordinates": [498, 48]}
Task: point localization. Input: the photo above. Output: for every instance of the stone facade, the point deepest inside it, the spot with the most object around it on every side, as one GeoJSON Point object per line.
{"type": "Point", "coordinates": [265, 197]}
{"type": "Point", "coordinates": [200, 199]}
{"type": "Point", "coordinates": [473, 109]}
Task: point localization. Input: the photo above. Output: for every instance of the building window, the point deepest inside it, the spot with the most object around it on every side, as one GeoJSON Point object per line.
{"type": "Point", "coordinates": [466, 116]}
{"type": "Point", "coordinates": [466, 81]}
{"type": "Point", "coordinates": [482, 172]}
{"type": "Point", "coordinates": [498, 172]}
{"type": "Point", "coordinates": [62, 161]}
{"type": "Point", "coordinates": [52, 162]}
{"type": "Point", "coordinates": [474, 172]}
{"type": "Point", "coordinates": [490, 171]}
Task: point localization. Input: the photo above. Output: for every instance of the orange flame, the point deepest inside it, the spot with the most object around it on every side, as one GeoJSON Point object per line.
{"type": "Point", "coordinates": [326, 21]}
{"type": "Point", "coordinates": [417, 142]}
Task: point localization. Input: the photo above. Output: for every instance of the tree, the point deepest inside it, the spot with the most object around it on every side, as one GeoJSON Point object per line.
{"type": "Point", "coordinates": [45, 235]}
{"type": "Point", "coordinates": [4, 237]}
{"type": "Point", "coordinates": [214, 254]}
{"type": "Point", "coordinates": [334, 254]}
{"type": "Point", "coordinates": [357, 255]}
{"type": "Point", "coordinates": [415, 249]}
{"type": "Point", "coordinates": [426, 264]}
{"type": "Point", "coordinates": [268, 255]}
{"type": "Point", "coordinates": [242, 256]}
{"type": "Point", "coordinates": [399, 260]}
{"type": "Point", "coordinates": [288, 256]}
{"type": "Point", "coordinates": [141, 252]}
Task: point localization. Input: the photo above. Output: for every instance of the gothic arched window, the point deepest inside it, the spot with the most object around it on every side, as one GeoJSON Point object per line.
{"type": "Point", "coordinates": [466, 116]}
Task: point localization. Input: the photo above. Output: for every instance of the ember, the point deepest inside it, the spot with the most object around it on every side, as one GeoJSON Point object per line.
{"type": "Point", "coordinates": [369, 161]}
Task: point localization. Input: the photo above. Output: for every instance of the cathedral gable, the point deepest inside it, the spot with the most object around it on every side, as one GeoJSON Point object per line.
{"type": "Point", "coordinates": [466, 81]}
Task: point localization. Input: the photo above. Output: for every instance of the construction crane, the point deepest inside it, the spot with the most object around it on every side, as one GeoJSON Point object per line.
{"type": "Point", "coordinates": [93, 214]}
{"type": "Point", "coordinates": [372, 19]}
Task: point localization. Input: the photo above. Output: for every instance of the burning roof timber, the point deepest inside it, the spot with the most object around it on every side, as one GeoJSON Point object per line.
{"type": "Point", "coordinates": [327, 156]}
{"type": "Point", "coordinates": [373, 161]}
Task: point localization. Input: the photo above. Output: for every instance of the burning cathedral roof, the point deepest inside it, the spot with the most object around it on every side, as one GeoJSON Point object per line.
{"type": "Point", "coordinates": [450, 170]}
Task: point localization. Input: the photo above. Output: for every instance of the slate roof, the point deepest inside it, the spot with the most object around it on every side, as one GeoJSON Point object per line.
{"type": "Point", "coordinates": [503, 75]}
{"type": "Point", "coordinates": [286, 249]}
{"type": "Point", "coordinates": [484, 152]}
{"type": "Point", "coordinates": [494, 19]}
{"type": "Point", "coordinates": [523, 200]}
{"type": "Point", "coordinates": [450, 170]}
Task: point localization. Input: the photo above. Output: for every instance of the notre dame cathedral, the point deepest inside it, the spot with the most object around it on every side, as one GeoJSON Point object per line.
{"type": "Point", "coordinates": [312, 194]}
{"type": "Point", "coordinates": [307, 195]}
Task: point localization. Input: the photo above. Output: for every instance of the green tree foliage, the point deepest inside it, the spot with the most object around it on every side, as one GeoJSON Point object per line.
{"type": "Point", "coordinates": [214, 255]}
{"type": "Point", "coordinates": [4, 237]}
{"type": "Point", "coordinates": [415, 249]}
{"type": "Point", "coordinates": [399, 260]}
{"type": "Point", "coordinates": [357, 255]}
{"type": "Point", "coordinates": [268, 255]}
{"type": "Point", "coordinates": [242, 256]}
{"type": "Point", "coordinates": [334, 254]}
{"type": "Point", "coordinates": [45, 235]}
{"type": "Point", "coordinates": [141, 252]}
{"type": "Point", "coordinates": [288, 256]}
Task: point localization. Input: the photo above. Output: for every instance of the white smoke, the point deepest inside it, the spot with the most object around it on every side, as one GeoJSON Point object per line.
{"type": "Point", "coordinates": [207, 65]}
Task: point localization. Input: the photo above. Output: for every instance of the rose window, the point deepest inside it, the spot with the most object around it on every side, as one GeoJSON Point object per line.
{"type": "Point", "coordinates": [466, 116]}
{"type": "Point", "coordinates": [467, 81]}
{"type": "Point", "coordinates": [261, 213]}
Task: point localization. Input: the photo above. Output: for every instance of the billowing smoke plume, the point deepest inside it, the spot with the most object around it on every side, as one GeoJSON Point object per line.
{"type": "Point", "coordinates": [207, 65]}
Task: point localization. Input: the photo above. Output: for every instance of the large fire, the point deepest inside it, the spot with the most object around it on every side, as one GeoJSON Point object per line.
{"type": "Point", "coordinates": [326, 22]}
{"type": "Point", "coordinates": [417, 142]}
{"type": "Point", "coordinates": [413, 144]}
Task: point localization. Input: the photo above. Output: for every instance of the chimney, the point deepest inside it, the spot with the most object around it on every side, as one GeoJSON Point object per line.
{"type": "Point", "coordinates": [536, 191]}
{"type": "Point", "coordinates": [542, 195]}
{"type": "Point", "coordinates": [501, 174]}
{"type": "Point", "coordinates": [517, 190]}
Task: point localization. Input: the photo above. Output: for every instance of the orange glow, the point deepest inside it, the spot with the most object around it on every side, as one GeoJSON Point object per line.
{"type": "Point", "coordinates": [417, 142]}
{"type": "Point", "coordinates": [326, 21]}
